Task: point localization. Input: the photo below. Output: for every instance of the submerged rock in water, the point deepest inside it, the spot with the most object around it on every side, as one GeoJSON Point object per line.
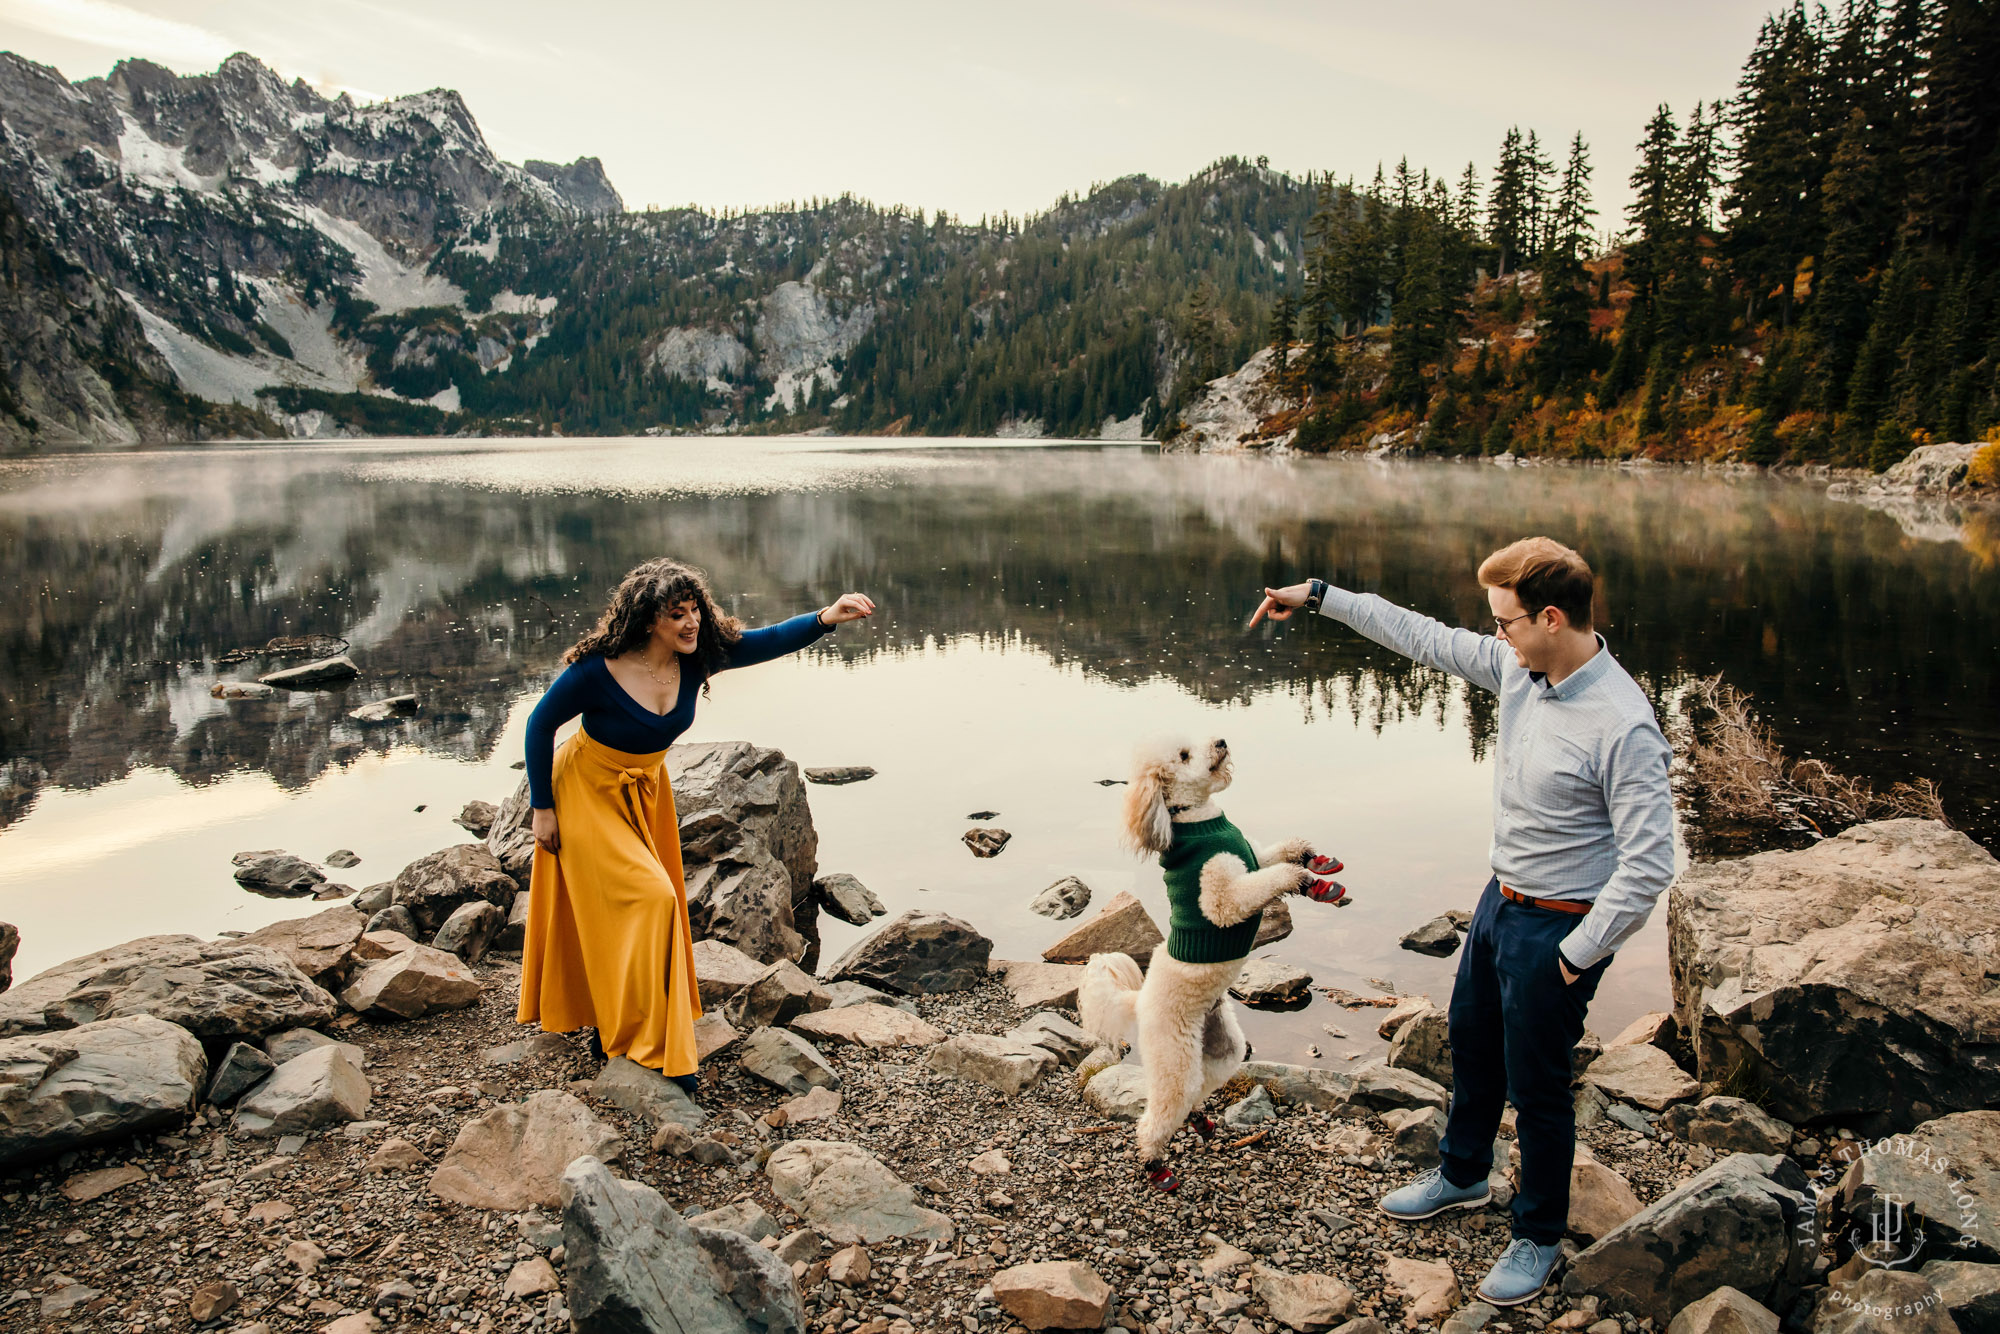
{"type": "Point", "coordinates": [10, 941]}
{"type": "Point", "coordinates": [391, 709]}
{"type": "Point", "coordinates": [477, 817]}
{"type": "Point", "coordinates": [1063, 900]}
{"type": "Point", "coordinates": [847, 898]}
{"type": "Point", "coordinates": [1876, 1010]}
{"type": "Point", "coordinates": [836, 775]}
{"type": "Point", "coordinates": [1269, 982]}
{"type": "Point", "coordinates": [277, 874]}
{"type": "Point", "coordinates": [307, 676]}
{"type": "Point", "coordinates": [1437, 937]}
{"type": "Point", "coordinates": [986, 841]}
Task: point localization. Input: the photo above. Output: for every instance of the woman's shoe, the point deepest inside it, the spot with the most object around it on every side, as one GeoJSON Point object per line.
{"type": "Point", "coordinates": [689, 1083]}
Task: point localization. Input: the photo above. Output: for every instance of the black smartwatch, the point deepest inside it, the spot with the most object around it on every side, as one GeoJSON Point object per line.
{"type": "Point", "coordinates": [1317, 592]}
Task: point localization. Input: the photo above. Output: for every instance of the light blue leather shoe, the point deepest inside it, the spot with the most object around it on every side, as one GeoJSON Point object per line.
{"type": "Point", "coordinates": [1431, 1194]}
{"type": "Point", "coordinates": [1520, 1272]}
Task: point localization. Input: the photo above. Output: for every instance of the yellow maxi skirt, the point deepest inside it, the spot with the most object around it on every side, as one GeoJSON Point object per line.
{"type": "Point", "coordinates": [608, 945]}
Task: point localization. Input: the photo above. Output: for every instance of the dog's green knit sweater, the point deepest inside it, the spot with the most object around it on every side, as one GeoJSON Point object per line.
{"type": "Point", "coordinates": [1191, 937]}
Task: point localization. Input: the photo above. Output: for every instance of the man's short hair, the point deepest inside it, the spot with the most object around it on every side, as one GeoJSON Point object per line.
{"type": "Point", "coordinates": [1543, 573]}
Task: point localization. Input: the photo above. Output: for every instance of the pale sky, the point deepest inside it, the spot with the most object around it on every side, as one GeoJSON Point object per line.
{"type": "Point", "coordinates": [970, 108]}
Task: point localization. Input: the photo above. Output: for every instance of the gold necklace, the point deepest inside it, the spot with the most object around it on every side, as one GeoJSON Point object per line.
{"type": "Point", "coordinates": [659, 680]}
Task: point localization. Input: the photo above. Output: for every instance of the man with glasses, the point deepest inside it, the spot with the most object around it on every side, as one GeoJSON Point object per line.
{"type": "Point", "coordinates": [1582, 849]}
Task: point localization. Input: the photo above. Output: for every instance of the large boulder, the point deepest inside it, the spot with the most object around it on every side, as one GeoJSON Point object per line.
{"type": "Point", "coordinates": [511, 836]}
{"type": "Point", "coordinates": [1063, 900]}
{"type": "Point", "coordinates": [776, 996]}
{"type": "Point", "coordinates": [869, 1026]}
{"type": "Point", "coordinates": [320, 946]}
{"type": "Point", "coordinates": [1422, 1043]}
{"type": "Point", "coordinates": [1117, 1091]}
{"type": "Point", "coordinates": [1724, 1311]}
{"type": "Point", "coordinates": [1970, 1292]}
{"type": "Point", "coordinates": [848, 899]}
{"type": "Point", "coordinates": [1008, 1066]}
{"type": "Point", "coordinates": [99, 1081]}
{"type": "Point", "coordinates": [785, 1060]}
{"type": "Point", "coordinates": [212, 988]}
{"type": "Point", "coordinates": [1943, 1178]}
{"type": "Point", "coordinates": [1927, 470]}
{"type": "Point", "coordinates": [917, 954]}
{"type": "Point", "coordinates": [748, 843]}
{"type": "Point", "coordinates": [436, 885]}
{"type": "Point", "coordinates": [1122, 926]}
{"type": "Point", "coordinates": [1035, 985]}
{"type": "Point", "coordinates": [1848, 979]}
{"type": "Point", "coordinates": [513, 1156]}
{"type": "Point", "coordinates": [1885, 1301]}
{"type": "Point", "coordinates": [1748, 1222]}
{"type": "Point", "coordinates": [1053, 1294]}
{"type": "Point", "coordinates": [411, 983]}
{"type": "Point", "coordinates": [319, 1087]}
{"type": "Point", "coordinates": [847, 1194]}
{"type": "Point", "coordinates": [721, 970]}
{"type": "Point", "coordinates": [1643, 1075]}
{"type": "Point", "coordinates": [1267, 982]}
{"type": "Point", "coordinates": [631, 1263]}
{"type": "Point", "coordinates": [1731, 1125]}
{"type": "Point", "coordinates": [470, 930]}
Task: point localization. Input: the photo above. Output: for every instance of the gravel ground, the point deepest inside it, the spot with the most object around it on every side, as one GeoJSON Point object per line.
{"type": "Point", "coordinates": [305, 1237]}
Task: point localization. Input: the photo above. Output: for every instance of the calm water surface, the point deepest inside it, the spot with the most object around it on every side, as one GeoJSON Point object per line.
{"type": "Point", "coordinates": [1041, 610]}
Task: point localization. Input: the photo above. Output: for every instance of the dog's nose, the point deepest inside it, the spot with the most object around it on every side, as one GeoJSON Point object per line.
{"type": "Point", "coordinates": [1220, 744]}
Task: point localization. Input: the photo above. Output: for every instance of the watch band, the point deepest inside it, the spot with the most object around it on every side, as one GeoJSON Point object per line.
{"type": "Point", "coordinates": [1319, 587]}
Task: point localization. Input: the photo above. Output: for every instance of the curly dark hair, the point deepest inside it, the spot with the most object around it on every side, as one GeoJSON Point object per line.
{"type": "Point", "coordinates": [642, 598]}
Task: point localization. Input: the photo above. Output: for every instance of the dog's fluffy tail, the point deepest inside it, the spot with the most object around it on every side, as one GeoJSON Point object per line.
{"type": "Point", "coordinates": [1108, 999]}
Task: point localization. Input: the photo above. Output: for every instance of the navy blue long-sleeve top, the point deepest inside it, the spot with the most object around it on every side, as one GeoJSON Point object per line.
{"type": "Point", "coordinates": [615, 719]}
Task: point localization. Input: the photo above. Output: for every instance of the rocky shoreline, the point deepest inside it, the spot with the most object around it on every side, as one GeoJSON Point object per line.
{"type": "Point", "coordinates": [330, 1126]}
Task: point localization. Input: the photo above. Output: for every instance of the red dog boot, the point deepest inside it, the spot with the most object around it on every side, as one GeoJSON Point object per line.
{"type": "Point", "coordinates": [1162, 1177]}
{"type": "Point", "coordinates": [1325, 891]}
{"type": "Point", "coordinates": [1201, 1123]}
{"type": "Point", "coordinates": [1324, 866]}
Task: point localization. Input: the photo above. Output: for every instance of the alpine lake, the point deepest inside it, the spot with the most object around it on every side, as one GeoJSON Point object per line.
{"type": "Point", "coordinates": [1041, 609]}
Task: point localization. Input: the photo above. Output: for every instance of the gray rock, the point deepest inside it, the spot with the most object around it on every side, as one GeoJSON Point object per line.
{"type": "Point", "coordinates": [749, 846]}
{"type": "Point", "coordinates": [842, 994]}
{"type": "Point", "coordinates": [282, 1046]}
{"type": "Point", "coordinates": [1122, 926]}
{"type": "Point", "coordinates": [1876, 1011]}
{"type": "Point", "coordinates": [645, 1092]}
{"type": "Point", "coordinates": [1591, 1106]}
{"type": "Point", "coordinates": [277, 875]}
{"type": "Point", "coordinates": [848, 1196]}
{"type": "Point", "coordinates": [1063, 900]}
{"type": "Point", "coordinates": [1970, 1292]}
{"type": "Point", "coordinates": [513, 1156]}
{"type": "Point", "coordinates": [1438, 937]}
{"type": "Point", "coordinates": [1273, 924]}
{"type": "Point", "coordinates": [320, 946]}
{"type": "Point", "coordinates": [10, 940]}
{"type": "Point", "coordinates": [1006, 1066]}
{"type": "Point", "coordinates": [1306, 1085]}
{"type": "Point", "coordinates": [1380, 1088]}
{"type": "Point", "coordinates": [1066, 1041]}
{"type": "Point", "coordinates": [1885, 1301]}
{"type": "Point", "coordinates": [632, 1264]}
{"type": "Point", "coordinates": [311, 675]}
{"type": "Point", "coordinates": [99, 1081]}
{"type": "Point", "coordinates": [388, 709]}
{"type": "Point", "coordinates": [1301, 1301]}
{"type": "Point", "coordinates": [537, 1046]}
{"type": "Point", "coordinates": [1927, 470]}
{"type": "Point", "coordinates": [744, 1216]}
{"type": "Point", "coordinates": [1035, 985]}
{"type": "Point", "coordinates": [341, 859]}
{"type": "Point", "coordinates": [1724, 1311]}
{"type": "Point", "coordinates": [1423, 1045]}
{"type": "Point", "coordinates": [847, 898]}
{"type": "Point", "coordinates": [1643, 1075]}
{"type": "Point", "coordinates": [435, 886]}
{"type": "Point", "coordinates": [476, 818]}
{"type": "Point", "coordinates": [1748, 1222]}
{"type": "Point", "coordinates": [917, 954]}
{"type": "Point", "coordinates": [1470, 1319]}
{"type": "Point", "coordinates": [1625, 1114]}
{"type": "Point", "coordinates": [241, 690]}
{"type": "Point", "coordinates": [511, 838]}
{"type": "Point", "coordinates": [721, 970]}
{"type": "Point", "coordinates": [1118, 1091]}
{"type": "Point", "coordinates": [1252, 1109]}
{"type": "Point", "coordinates": [512, 936]}
{"type": "Point", "coordinates": [1731, 1125]}
{"type": "Point", "coordinates": [240, 1069]}
{"type": "Point", "coordinates": [470, 930]}
{"type": "Point", "coordinates": [412, 983]}
{"type": "Point", "coordinates": [776, 996]}
{"type": "Point", "coordinates": [1263, 982]}
{"type": "Point", "coordinates": [321, 1087]}
{"type": "Point", "coordinates": [787, 1060]}
{"type": "Point", "coordinates": [396, 918]}
{"type": "Point", "coordinates": [1414, 1133]}
{"type": "Point", "coordinates": [212, 988]}
{"type": "Point", "coordinates": [835, 775]}
{"type": "Point", "coordinates": [1944, 1176]}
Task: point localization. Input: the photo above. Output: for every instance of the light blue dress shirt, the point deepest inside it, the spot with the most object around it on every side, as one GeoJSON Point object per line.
{"type": "Point", "coordinates": [1582, 806]}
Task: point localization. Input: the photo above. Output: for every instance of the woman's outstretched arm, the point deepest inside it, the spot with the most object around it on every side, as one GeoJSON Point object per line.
{"type": "Point", "coordinates": [775, 641]}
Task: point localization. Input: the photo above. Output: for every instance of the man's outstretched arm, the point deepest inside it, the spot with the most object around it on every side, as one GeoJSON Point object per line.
{"type": "Point", "coordinates": [1467, 654]}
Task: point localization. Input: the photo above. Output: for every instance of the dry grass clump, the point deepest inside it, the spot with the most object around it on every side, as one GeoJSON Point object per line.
{"type": "Point", "coordinates": [1742, 773]}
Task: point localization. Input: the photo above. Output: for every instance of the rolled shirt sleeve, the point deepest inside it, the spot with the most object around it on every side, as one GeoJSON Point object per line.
{"type": "Point", "coordinates": [1638, 796]}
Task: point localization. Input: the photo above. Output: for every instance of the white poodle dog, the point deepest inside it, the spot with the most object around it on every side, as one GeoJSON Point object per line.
{"type": "Point", "coordinates": [1178, 1013]}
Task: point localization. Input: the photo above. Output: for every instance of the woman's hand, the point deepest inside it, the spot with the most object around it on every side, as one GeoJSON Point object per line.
{"type": "Point", "coordinates": [543, 822]}
{"type": "Point", "coordinates": [1280, 603]}
{"type": "Point", "coordinates": [851, 607]}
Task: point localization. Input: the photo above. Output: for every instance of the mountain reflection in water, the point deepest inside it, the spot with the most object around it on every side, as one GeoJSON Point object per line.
{"type": "Point", "coordinates": [460, 574]}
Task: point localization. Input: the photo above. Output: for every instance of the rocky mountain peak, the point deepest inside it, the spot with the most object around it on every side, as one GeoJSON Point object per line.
{"type": "Point", "coordinates": [582, 184]}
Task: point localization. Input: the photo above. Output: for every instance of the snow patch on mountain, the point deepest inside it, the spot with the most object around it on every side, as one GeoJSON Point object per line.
{"type": "Point", "coordinates": [798, 335]}
{"type": "Point", "coordinates": [1021, 428]}
{"type": "Point", "coordinates": [385, 280]}
{"type": "Point", "coordinates": [513, 303]}
{"type": "Point", "coordinates": [150, 162]}
{"type": "Point", "coordinates": [700, 355]}
{"type": "Point", "coordinates": [1230, 410]}
{"type": "Point", "coordinates": [1132, 428]}
{"type": "Point", "coordinates": [309, 329]}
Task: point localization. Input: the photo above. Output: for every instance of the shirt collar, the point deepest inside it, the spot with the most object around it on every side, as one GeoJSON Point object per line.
{"type": "Point", "coordinates": [1583, 677]}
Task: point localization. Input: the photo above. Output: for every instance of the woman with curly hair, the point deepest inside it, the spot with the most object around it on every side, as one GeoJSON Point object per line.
{"type": "Point", "coordinates": [608, 942]}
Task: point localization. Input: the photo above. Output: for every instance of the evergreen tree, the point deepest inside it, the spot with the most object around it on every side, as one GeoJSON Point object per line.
{"type": "Point", "coordinates": [1507, 205]}
{"type": "Point", "coordinates": [1562, 356]}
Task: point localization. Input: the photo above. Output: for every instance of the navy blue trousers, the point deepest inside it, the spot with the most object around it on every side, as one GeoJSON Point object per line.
{"type": "Point", "coordinates": [1514, 1025]}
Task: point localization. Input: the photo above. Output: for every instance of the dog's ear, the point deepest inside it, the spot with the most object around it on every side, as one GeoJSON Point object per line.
{"type": "Point", "coordinates": [1147, 828]}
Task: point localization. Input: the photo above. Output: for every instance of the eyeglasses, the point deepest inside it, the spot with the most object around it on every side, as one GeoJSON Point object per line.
{"type": "Point", "coordinates": [1500, 624]}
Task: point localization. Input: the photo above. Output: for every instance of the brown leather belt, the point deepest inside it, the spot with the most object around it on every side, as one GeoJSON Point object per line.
{"type": "Point", "coordinates": [1576, 906]}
